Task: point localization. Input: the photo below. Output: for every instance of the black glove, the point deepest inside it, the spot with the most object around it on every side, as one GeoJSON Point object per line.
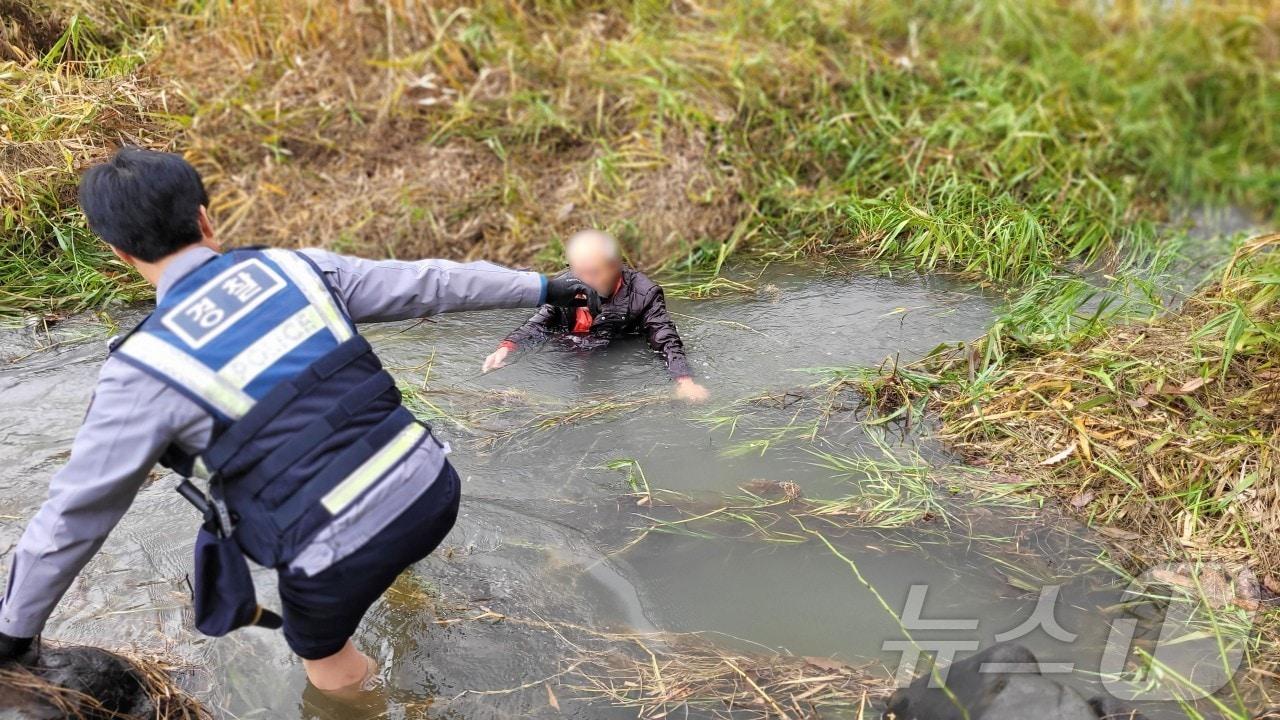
{"type": "Point", "coordinates": [12, 648]}
{"type": "Point", "coordinates": [569, 291]}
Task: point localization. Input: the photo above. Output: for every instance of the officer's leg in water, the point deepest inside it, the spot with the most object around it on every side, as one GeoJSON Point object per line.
{"type": "Point", "coordinates": [346, 670]}
{"type": "Point", "coordinates": [322, 611]}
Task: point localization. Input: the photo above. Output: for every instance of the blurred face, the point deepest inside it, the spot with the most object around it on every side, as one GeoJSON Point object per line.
{"type": "Point", "coordinates": [593, 265]}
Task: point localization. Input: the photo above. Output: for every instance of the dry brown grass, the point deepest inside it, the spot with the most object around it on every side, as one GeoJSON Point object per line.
{"type": "Point", "coordinates": [945, 135]}
{"type": "Point", "coordinates": [657, 676]}
{"type": "Point", "coordinates": [85, 117]}
{"type": "Point", "coordinates": [335, 127]}
{"type": "Point", "coordinates": [460, 201]}
{"type": "Point", "coordinates": [369, 128]}
{"type": "Point", "coordinates": [661, 674]}
{"type": "Point", "coordinates": [25, 34]}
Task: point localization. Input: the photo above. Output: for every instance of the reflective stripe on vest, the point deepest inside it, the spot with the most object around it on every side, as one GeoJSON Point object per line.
{"type": "Point", "coordinates": [314, 288]}
{"type": "Point", "coordinates": [268, 349]}
{"type": "Point", "coordinates": [176, 342]}
{"type": "Point", "coordinates": [237, 327]}
{"type": "Point", "coordinates": [375, 467]}
{"type": "Point", "coordinates": [190, 373]}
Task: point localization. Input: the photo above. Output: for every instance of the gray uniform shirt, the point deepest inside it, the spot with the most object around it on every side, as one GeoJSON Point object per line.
{"type": "Point", "coordinates": [133, 417]}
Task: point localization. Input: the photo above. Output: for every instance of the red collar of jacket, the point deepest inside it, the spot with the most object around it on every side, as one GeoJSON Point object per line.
{"type": "Point", "coordinates": [583, 320]}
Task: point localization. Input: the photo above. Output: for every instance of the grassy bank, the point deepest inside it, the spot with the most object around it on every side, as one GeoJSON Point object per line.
{"type": "Point", "coordinates": [1004, 138]}
{"type": "Point", "coordinates": [1164, 431]}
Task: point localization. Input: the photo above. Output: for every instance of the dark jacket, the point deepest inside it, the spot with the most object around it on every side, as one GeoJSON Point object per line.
{"type": "Point", "coordinates": [636, 308]}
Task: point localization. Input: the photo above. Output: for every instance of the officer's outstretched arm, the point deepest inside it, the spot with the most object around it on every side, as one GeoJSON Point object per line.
{"type": "Point", "coordinates": [384, 290]}
{"type": "Point", "coordinates": [123, 434]}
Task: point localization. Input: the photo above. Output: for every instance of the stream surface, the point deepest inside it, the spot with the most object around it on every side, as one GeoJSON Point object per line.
{"type": "Point", "coordinates": [548, 530]}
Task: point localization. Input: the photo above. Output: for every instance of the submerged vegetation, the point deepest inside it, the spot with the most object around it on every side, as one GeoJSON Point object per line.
{"type": "Point", "coordinates": [660, 674]}
{"type": "Point", "coordinates": [657, 676]}
{"type": "Point", "coordinates": [1002, 138]}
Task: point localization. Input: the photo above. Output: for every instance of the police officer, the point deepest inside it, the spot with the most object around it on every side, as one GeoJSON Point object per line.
{"type": "Point", "coordinates": [251, 376]}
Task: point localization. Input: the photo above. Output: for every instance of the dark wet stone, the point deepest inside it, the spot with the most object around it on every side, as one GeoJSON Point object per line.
{"type": "Point", "coordinates": [999, 695]}
{"type": "Point", "coordinates": [1108, 708]}
{"type": "Point", "coordinates": [112, 681]}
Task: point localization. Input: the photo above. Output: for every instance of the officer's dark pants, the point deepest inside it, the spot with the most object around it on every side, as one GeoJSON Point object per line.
{"type": "Point", "coordinates": [322, 611]}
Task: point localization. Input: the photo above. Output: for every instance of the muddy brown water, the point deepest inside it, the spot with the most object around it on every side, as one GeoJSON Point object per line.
{"type": "Point", "coordinates": [546, 528]}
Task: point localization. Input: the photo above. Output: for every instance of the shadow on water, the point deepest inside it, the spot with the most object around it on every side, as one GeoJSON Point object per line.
{"type": "Point", "coordinates": [552, 531]}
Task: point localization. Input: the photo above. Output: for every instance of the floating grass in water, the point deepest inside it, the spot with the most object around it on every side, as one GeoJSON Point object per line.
{"type": "Point", "coordinates": [841, 402]}
{"type": "Point", "coordinates": [636, 480]}
{"type": "Point", "coordinates": [667, 674]}
{"type": "Point", "coordinates": [888, 494]}
{"type": "Point", "coordinates": [662, 675]}
{"type": "Point", "coordinates": [515, 415]}
{"type": "Point", "coordinates": [704, 288]}
{"type": "Point", "coordinates": [580, 412]}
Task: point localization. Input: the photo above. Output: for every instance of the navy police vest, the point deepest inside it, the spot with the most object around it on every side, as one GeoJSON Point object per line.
{"type": "Point", "coordinates": [305, 417]}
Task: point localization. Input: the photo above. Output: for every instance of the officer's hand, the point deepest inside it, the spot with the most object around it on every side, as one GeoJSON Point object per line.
{"type": "Point", "coordinates": [568, 291]}
{"type": "Point", "coordinates": [19, 649]}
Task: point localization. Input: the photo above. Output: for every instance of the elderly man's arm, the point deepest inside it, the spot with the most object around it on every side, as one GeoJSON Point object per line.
{"type": "Point", "coordinates": [536, 330]}
{"type": "Point", "coordinates": [545, 323]}
{"type": "Point", "coordinates": [660, 330]}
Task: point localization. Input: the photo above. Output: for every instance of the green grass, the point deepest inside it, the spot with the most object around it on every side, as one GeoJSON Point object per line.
{"type": "Point", "coordinates": [1162, 425]}
{"type": "Point", "coordinates": [1005, 138]}
{"type": "Point", "coordinates": [57, 109]}
{"type": "Point", "coordinates": [50, 265]}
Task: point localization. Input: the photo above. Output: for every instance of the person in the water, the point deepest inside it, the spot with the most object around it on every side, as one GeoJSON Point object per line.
{"type": "Point", "coordinates": [631, 304]}
{"type": "Point", "coordinates": [251, 375]}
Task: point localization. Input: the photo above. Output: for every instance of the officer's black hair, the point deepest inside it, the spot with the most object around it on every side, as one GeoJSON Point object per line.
{"type": "Point", "coordinates": [144, 202]}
